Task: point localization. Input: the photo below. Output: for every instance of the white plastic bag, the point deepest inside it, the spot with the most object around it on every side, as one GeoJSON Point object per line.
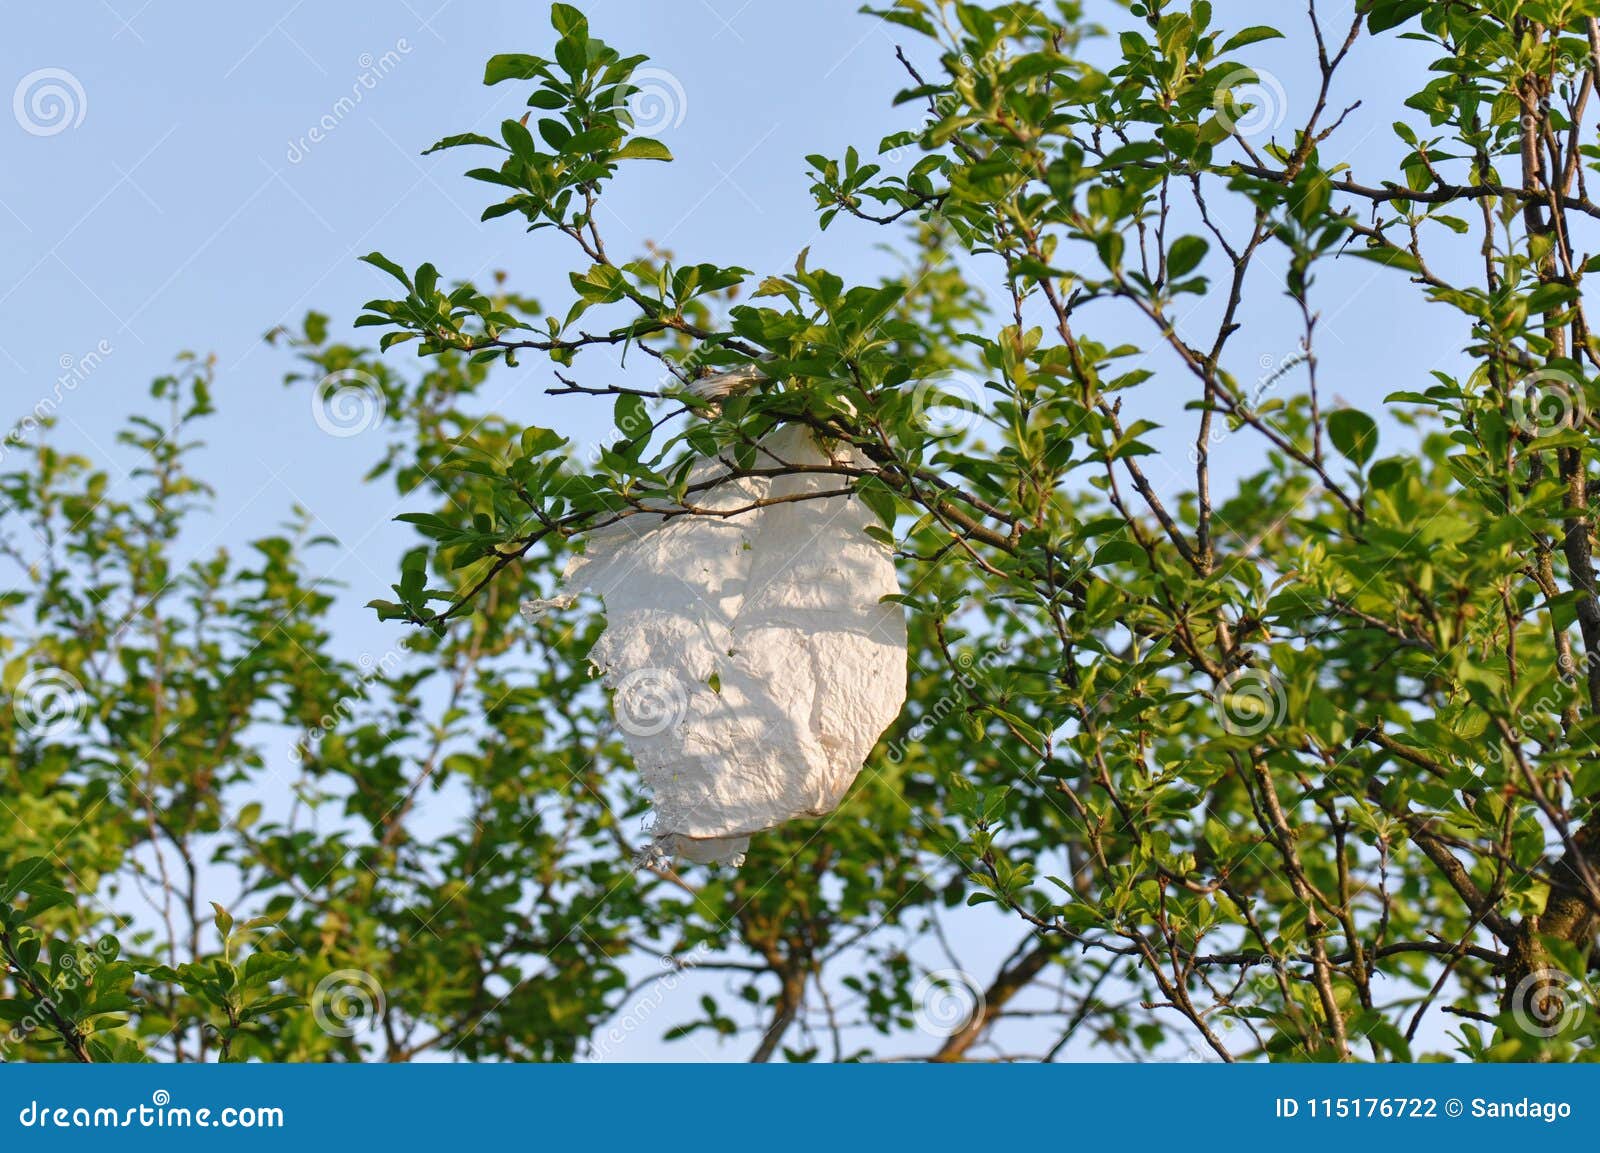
{"type": "Point", "coordinates": [752, 662]}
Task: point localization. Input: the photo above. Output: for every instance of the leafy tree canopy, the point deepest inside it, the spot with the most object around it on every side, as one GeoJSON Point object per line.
{"type": "Point", "coordinates": [1297, 764]}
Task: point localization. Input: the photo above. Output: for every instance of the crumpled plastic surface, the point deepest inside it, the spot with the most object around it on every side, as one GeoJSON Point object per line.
{"type": "Point", "coordinates": [752, 663]}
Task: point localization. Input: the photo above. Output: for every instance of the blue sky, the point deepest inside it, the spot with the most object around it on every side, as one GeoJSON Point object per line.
{"type": "Point", "coordinates": [183, 209]}
{"type": "Point", "coordinates": [182, 205]}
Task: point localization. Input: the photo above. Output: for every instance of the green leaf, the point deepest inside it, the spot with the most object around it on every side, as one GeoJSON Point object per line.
{"type": "Point", "coordinates": [461, 139]}
{"type": "Point", "coordinates": [1393, 257]}
{"type": "Point", "coordinates": [538, 441]}
{"type": "Point", "coordinates": [277, 1003]}
{"type": "Point", "coordinates": [1119, 552]}
{"type": "Point", "coordinates": [262, 968]}
{"type": "Point", "coordinates": [513, 66]}
{"type": "Point", "coordinates": [1387, 14]}
{"type": "Point", "coordinates": [519, 139]}
{"type": "Point", "coordinates": [1186, 255]}
{"type": "Point", "coordinates": [598, 139]}
{"type": "Point", "coordinates": [631, 416]}
{"type": "Point", "coordinates": [1252, 35]}
{"type": "Point", "coordinates": [427, 280]}
{"type": "Point", "coordinates": [568, 21]}
{"type": "Point", "coordinates": [379, 260]}
{"type": "Point", "coordinates": [644, 148]}
{"type": "Point", "coordinates": [1386, 473]}
{"type": "Point", "coordinates": [879, 498]}
{"type": "Point", "coordinates": [1354, 434]}
{"type": "Point", "coordinates": [24, 876]}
